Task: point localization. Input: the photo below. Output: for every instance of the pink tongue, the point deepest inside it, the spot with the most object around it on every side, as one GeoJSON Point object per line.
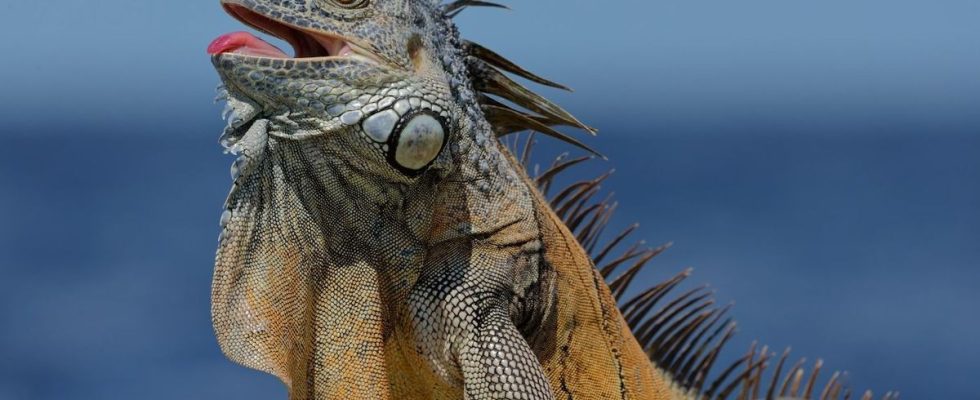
{"type": "Point", "coordinates": [244, 43]}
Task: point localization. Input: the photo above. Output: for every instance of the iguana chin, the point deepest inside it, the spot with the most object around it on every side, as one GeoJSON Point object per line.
{"type": "Point", "coordinates": [381, 242]}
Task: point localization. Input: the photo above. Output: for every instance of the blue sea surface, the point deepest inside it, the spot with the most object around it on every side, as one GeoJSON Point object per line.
{"type": "Point", "coordinates": [818, 163]}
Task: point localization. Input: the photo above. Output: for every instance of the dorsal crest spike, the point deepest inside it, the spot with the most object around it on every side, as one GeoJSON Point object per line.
{"type": "Point", "coordinates": [486, 100]}
{"type": "Point", "coordinates": [453, 9]}
{"type": "Point", "coordinates": [489, 80]}
{"type": "Point", "coordinates": [493, 58]}
{"type": "Point", "coordinates": [510, 120]}
{"type": "Point", "coordinates": [683, 334]}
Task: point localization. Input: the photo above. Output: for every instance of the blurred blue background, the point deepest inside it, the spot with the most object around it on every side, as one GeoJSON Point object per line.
{"type": "Point", "coordinates": [817, 161]}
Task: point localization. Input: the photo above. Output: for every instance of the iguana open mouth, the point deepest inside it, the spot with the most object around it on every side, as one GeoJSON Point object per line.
{"type": "Point", "coordinates": [306, 44]}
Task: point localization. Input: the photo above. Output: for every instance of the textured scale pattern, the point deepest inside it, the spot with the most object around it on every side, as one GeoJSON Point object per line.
{"type": "Point", "coordinates": [384, 240]}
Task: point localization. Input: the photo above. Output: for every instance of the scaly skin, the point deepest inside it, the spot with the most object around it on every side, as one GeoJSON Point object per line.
{"type": "Point", "coordinates": [344, 274]}
{"type": "Point", "coordinates": [379, 240]}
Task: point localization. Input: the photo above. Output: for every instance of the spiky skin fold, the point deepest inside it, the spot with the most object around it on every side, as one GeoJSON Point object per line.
{"type": "Point", "coordinates": [350, 268]}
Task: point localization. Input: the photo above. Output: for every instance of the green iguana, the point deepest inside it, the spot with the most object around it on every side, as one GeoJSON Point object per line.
{"type": "Point", "coordinates": [381, 241]}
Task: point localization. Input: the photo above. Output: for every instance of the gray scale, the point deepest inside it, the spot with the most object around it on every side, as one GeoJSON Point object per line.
{"type": "Point", "coordinates": [379, 126]}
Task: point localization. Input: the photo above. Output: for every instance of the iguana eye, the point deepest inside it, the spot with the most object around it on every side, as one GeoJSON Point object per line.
{"type": "Point", "coordinates": [350, 3]}
{"type": "Point", "coordinates": [416, 142]}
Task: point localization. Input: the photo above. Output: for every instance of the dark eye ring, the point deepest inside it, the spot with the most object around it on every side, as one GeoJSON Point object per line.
{"type": "Point", "coordinates": [350, 4]}
{"type": "Point", "coordinates": [417, 141]}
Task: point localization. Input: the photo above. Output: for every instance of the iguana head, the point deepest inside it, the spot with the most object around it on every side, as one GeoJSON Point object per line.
{"type": "Point", "coordinates": [390, 82]}
{"type": "Point", "coordinates": [369, 75]}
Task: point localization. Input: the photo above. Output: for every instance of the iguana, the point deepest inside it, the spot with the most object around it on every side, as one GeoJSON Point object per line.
{"type": "Point", "coordinates": [381, 240]}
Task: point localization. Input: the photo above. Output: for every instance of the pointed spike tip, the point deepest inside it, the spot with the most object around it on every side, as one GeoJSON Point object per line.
{"type": "Point", "coordinates": [453, 9]}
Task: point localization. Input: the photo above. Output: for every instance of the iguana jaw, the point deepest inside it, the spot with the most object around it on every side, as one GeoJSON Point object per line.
{"type": "Point", "coordinates": [308, 44]}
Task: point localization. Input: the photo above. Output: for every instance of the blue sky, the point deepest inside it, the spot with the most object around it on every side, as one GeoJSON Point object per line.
{"type": "Point", "coordinates": [817, 162]}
